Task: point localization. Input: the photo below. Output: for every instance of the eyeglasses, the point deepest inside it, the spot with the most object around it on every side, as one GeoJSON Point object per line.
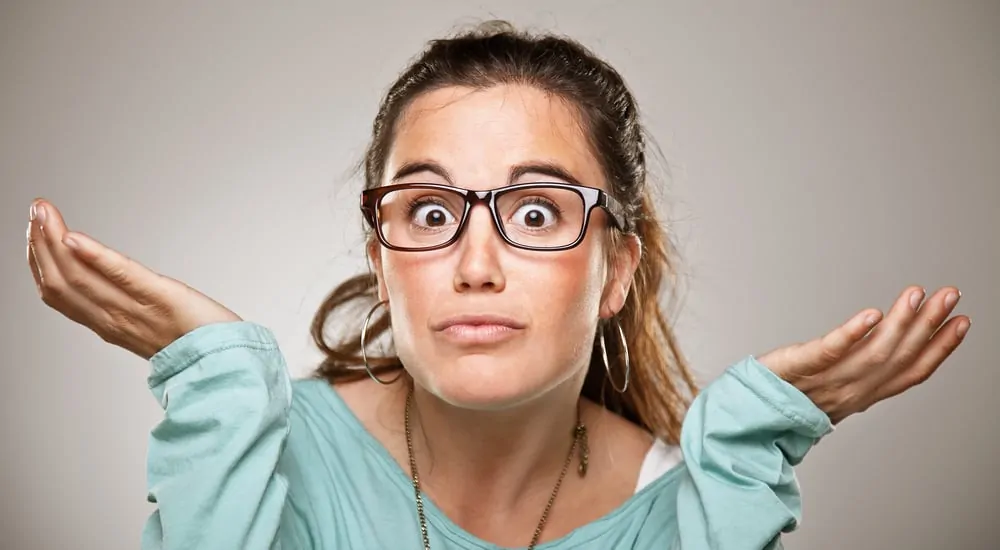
{"type": "Point", "coordinates": [531, 216]}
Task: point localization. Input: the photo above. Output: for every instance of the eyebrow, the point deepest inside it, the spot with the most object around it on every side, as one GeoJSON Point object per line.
{"type": "Point", "coordinates": [417, 166]}
{"type": "Point", "coordinates": [549, 169]}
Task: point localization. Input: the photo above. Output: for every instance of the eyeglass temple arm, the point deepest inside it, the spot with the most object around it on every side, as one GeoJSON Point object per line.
{"type": "Point", "coordinates": [617, 211]}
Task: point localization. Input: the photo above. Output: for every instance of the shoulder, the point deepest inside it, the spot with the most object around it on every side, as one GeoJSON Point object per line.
{"type": "Point", "coordinates": [646, 456]}
{"type": "Point", "coordinates": [318, 414]}
{"type": "Point", "coordinates": [624, 439]}
{"type": "Point", "coordinates": [324, 427]}
{"type": "Point", "coordinates": [360, 410]}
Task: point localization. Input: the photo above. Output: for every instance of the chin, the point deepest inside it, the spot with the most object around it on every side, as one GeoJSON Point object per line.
{"type": "Point", "coordinates": [485, 382]}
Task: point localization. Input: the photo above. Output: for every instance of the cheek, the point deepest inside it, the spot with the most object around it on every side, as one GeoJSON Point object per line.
{"type": "Point", "coordinates": [569, 292]}
{"type": "Point", "coordinates": [410, 284]}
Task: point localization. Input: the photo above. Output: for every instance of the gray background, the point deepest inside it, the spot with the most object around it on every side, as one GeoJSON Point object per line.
{"type": "Point", "coordinates": [823, 156]}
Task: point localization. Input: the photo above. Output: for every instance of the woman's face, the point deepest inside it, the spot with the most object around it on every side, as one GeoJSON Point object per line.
{"type": "Point", "coordinates": [482, 324]}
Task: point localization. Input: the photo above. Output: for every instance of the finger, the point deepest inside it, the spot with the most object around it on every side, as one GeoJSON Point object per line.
{"type": "Point", "coordinates": [941, 346]}
{"type": "Point", "coordinates": [32, 263]}
{"type": "Point", "coordinates": [884, 340]}
{"type": "Point", "coordinates": [45, 265]}
{"type": "Point", "coordinates": [135, 279]}
{"type": "Point", "coordinates": [51, 229]}
{"type": "Point", "coordinates": [64, 283]}
{"type": "Point", "coordinates": [102, 276]}
{"type": "Point", "coordinates": [86, 280]}
{"type": "Point", "coordinates": [51, 285]}
{"type": "Point", "coordinates": [927, 321]}
{"type": "Point", "coordinates": [79, 257]}
{"type": "Point", "coordinates": [835, 345]}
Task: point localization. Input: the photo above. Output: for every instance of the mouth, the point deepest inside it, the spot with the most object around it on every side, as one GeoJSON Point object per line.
{"type": "Point", "coordinates": [478, 329]}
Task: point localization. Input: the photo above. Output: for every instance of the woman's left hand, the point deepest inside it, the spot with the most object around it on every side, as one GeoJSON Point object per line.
{"type": "Point", "coordinates": [854, 366]}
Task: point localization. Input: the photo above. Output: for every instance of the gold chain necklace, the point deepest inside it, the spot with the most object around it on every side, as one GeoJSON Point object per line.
{"type": "Point", "coordinates": [579, 440]}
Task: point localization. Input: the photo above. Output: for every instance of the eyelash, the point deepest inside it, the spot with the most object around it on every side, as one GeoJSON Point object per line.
{"type": "Point", "coordinates": [422, 201]}
{"type": "Point", "coordinates": [542, 202]}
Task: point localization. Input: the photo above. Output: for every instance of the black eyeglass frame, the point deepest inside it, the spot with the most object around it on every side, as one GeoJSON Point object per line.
{"type": "Point", "coordinates": [592, 198]}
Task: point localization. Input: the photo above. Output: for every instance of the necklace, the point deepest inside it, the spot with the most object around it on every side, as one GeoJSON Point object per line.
{"type": "Point", "coordinates": [579, 442]}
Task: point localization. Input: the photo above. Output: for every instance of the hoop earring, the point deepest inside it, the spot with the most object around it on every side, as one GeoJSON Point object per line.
{"type": "Point", "coordinates": [364, 336]}
{"type": "Point", "coordinates": [607, 364]}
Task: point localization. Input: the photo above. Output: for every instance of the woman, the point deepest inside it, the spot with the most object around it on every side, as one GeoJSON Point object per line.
{"type": "Point", "coordinates": [535, 397]}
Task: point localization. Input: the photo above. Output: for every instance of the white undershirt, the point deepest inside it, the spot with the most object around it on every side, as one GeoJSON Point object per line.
{"type": "Point", "coordinates": [659, 459]}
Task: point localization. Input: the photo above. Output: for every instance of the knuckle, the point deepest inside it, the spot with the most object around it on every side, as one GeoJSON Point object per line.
{"type": "Point", "coordinates": [53, 290]}
{"type": "Point", "coordinates": [920, 377]}
{"type": "Point", "coordinates": [849, 398]}
{"type": "Point", "coordinates": [48, 299]}
{"type": "Point", "coordinates": [880, 356]}
{"type": "Point", "coordinates": [829, 354]}
{"type": "Point", "coordinates": [117, 273]}
{"type": "Point", "coordinates": [114, 320]}
{"type": "Point", "coordinates": [115, 325]}
{"type": "Point", "coordinates": [107, 336]}
{"type": "Point", "coordinates": [829, 399]}
{"type": "Point", "coordinates": [931, 322]}
{"type": "Point", "coordinates": [905, 355]}
{"type": "Point", "coordinates": [75, 279]}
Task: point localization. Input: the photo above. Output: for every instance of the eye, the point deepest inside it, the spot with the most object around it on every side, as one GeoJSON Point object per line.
{"type": "Point", "coordinates": [536, 213]}
{"type": "Point", "coordinates": [427, 213]}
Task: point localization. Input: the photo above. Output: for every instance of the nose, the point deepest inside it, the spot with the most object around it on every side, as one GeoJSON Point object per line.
{"type": "Point", "coordinates": [479, 249]}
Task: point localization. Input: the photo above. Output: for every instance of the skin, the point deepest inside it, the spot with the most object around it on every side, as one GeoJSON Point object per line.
{"type": "Point", "coordinates": [478, 137]}
{"type": "Point", "coordinates": [507, 408]}
{"type": "Point", "coordinates": [492, 421]}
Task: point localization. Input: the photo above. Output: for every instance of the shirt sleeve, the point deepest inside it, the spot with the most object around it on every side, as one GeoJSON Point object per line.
{"type": "Point", "coordinates": [212, 460]}
{"type": "Point", "coordinates": [741, 438]}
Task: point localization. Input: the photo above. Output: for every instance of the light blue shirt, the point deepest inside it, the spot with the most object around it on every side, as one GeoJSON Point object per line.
{"type": "Point", "coordinates": [245, 459]}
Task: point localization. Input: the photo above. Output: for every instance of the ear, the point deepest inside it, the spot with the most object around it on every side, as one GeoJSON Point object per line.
{"type": "Point", "coordinates": [616, 289]}
{"type": "Point", "coordinates": [374, 252]}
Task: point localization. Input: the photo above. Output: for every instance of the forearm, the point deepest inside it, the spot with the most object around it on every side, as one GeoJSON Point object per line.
{"type": "Point", "coordinates": [212, 460]}
{"type": "Point", "coordinates": [741, 439]}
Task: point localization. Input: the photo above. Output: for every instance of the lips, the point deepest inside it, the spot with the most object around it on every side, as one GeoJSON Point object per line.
{"type": "Point", "coordinates": [478, 329]}
{"type": "Point", "coordinates": [479, 320]}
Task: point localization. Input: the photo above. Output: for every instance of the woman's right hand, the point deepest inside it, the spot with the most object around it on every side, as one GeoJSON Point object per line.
{"type": "Point", "coordinates": [124, 302]}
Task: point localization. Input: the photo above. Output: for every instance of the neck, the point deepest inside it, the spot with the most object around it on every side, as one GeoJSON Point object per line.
{"type": "Point", "coordinates": [493, 462]}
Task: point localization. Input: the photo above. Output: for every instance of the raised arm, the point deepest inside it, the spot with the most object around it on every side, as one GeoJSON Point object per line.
{"type": "Point", "coordinates": [741, 439]}
{"type": "Point", "coordinates": [748, 429]}
{"type": "Point", "coordinates": [213, 459]}
{"type": "Point", "coordinates": [222, 382]}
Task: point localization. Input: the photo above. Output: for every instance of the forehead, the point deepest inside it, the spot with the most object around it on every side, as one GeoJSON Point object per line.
{"type": "Point", "coordinates": [479, 134]}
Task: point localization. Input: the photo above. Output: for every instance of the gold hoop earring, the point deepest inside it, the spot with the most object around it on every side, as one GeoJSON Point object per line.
{"type": "Point", "coordinates": [364, 336]}
{"type": "Point", "coordinates": [607, 364]}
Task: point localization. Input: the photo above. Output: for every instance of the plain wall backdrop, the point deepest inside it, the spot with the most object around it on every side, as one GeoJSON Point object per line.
{"type": "Point", "coordinates": [822, 157]}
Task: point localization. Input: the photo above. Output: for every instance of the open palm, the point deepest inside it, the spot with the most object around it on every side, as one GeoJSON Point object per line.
{"type": "Point", "coordinates": [855, 366]}
{"type": "Point", "coordinates": [122, 301]}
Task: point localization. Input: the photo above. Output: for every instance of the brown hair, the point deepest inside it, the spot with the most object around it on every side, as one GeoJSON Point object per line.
{"type": "Point", "coordinates": [494, 53]}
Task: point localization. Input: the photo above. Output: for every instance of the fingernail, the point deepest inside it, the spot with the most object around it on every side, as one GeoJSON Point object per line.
{"type": "Point", "coordinates": [916, 298]}
{"type": "Point", "coordinates": [40, 213]}
{"type": "Point", "coordinates": [70, 242]}
{"type": "Point", "coordinates": [31, 213]}
{"type": "Point", "coordinates": [963, 327]}
{"type": "Point", "coordinates": [950, 300]}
